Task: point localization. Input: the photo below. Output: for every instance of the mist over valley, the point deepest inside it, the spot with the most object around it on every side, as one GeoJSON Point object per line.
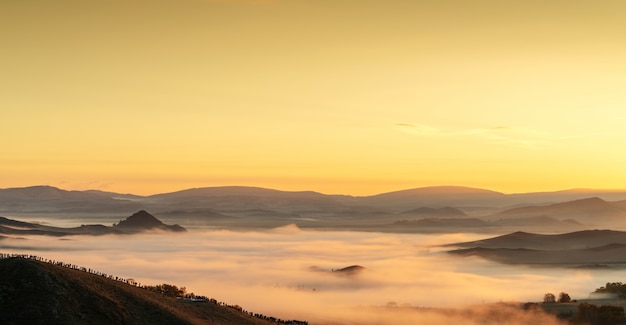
{"type": "Point", "coordinates": [331, 259]}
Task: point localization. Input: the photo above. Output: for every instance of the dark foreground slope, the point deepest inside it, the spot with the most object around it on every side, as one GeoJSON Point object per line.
{"type": "Point", "coordinates": [34, 292]}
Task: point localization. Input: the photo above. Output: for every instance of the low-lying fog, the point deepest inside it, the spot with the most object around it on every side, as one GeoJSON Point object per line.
{"type": "Point", "coordinates": [271, 272]}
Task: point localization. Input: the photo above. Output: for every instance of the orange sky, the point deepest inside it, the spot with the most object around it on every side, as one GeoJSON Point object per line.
{"type": "Point", "coordinates": [356, 97]}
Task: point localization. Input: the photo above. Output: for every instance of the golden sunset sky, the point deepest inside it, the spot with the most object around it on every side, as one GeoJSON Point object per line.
{"type": "Point", "coordinates": [343, 96]}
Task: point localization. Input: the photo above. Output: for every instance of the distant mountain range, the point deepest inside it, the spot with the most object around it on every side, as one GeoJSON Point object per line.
{"type": "Point", "coordinates": [589, 209]}
{"type": "Point", "coordinates": [253, 207]}
{"type": "Point", "coordinates": [141, 221]}
{"type": "Point", "coordinates": [16, 199]}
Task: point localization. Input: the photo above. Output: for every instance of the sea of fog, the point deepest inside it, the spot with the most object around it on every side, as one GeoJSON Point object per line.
{"type": "Point", "coordinates": [287, 272]}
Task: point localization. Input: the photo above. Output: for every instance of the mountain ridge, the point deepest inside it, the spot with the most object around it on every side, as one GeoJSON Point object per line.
{"type": "Point", "coordinates": [432, 189]}
{"type": "Point", "coordinates": [235, 206]}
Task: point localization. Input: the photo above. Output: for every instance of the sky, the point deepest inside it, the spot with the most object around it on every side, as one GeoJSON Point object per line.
{"type": "Point", "coordinates": [343, 96]}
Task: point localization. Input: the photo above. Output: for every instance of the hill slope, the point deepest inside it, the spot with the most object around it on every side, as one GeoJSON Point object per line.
{"type": "Point", "coordinates": [573, 240]}
{"type": "Point", "coordinates": [51, 199]}
{"type": "Point", "coordinates": [436, 196]}
{"type": "Point", "coordinates": [143, 220]}
{"type": "Point", "coordinates": [598, 248]}
{"type": "Point", "coordinates": [585, 210]}
{"type": "Point", "coordinates": [35, 292]}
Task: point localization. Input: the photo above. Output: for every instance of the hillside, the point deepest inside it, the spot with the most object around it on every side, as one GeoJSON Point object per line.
{"type": "Point", "coordinates": [436, 196]}
{"type": "Point", "coordinates": [597, 248]}
{"type": "Point", "coordinates": [48, 199]}
{"type": "Point", "coordinates": [37, 292]}
{"type": "Point", "coordinates": [572, 240]}
{"type": "Point", "coordinates": [608, 256]}
{"type": "Point", "coordinates": [141, 221]}
{"type": "Point", "coordinates": [589, 210]}
{"type": "Point", "coordinates": [243, 197]}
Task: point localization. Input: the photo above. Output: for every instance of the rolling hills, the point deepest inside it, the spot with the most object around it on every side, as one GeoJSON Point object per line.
{"type": "Point", "coordinates": [141, 221]}
{"type": "Point", "coordinates": [427, 209]}
{"type": "Point", "coordinates": [586, 248]}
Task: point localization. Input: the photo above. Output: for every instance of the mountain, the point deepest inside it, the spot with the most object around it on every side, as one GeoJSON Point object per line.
{"type": "Point", "coordinates": [573, 240]}
{"type": "Point", "coordinates": [437, 196]}
{"type": "Point", "coordinates": [608, 256]}
{"type": "Point", "coordinates": [586, 248]}
{"type": "Point", "coordinates": [53, 200]}
{"type": "Point", "coordinates": [142, 221]}
{"type": "Point", "coordinates": [566, 195]}
{"type": "Point", "coordinates": [254, 207]}
{"type": "Point", "coordinates": [114, 195]}
{"type": "Point", "coordinates": [588, 210]}
{"type": "Point", "coordinates": [244, 198]}
{"type": "Point", "coordinates": [37, 292]}
{"type": "Point", "coordinates": [139, 222]}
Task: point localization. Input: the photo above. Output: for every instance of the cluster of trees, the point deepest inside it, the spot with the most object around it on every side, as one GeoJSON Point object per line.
{"type": "Point", "coordinates": [550, 298]}
{"type": "Point", "coordinates": [614, 287]}
{"type": "Point", "coordinates": [168, 290]}
{"type": "Point", "coordinates": [602, 315]}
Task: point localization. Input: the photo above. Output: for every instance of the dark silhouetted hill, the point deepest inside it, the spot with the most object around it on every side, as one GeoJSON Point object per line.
{"type": "Point", "coordinates": [572, 240]}
{"type": "Point", "coordinates": [576, 249]}
{"type": "Point", "coordinates": [142, 221]}
{"type": "Point", "coordinates": [611, 255]}
{"type": "Point", "coordinates": [35, 292]}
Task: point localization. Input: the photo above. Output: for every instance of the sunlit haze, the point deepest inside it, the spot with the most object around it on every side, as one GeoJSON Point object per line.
{"type": "Point", "coordinates": [354, 97]}
{"type": "Point", "coordinates": [286, 272]}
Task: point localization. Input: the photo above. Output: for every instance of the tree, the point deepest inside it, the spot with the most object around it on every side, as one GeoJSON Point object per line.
{"type": "Point", "coordinates": [603, 315]}
{"type": "Point", "coordinates": [549, 298]}
{"type": "Point", "coordinates": [168, 290]}
{"type": "Point", "coordinates": [564, 297]}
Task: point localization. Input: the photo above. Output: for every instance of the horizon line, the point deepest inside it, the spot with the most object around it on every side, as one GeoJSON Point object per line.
{"type": "Point", "coordinates": [608, 190]}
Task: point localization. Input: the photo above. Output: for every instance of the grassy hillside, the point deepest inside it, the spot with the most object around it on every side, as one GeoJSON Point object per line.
{"type": "Point", "coordinates": [38, 292]}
